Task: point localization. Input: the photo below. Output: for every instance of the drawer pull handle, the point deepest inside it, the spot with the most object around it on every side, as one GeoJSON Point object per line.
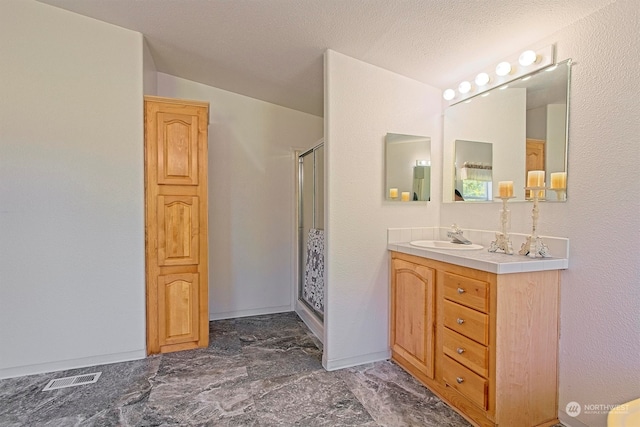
{"type": "Point", "coordinates": [460, 321]}
{"type": "Point", "coordinates": [459, 380]}
{"type": "Point", "coordinates": [461, 291]}
{"type": "Point", "coordinates": [460, 350]}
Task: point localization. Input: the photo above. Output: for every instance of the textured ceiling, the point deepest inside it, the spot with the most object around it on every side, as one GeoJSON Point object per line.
{"type": "Point", "coordinates": [273, 49]}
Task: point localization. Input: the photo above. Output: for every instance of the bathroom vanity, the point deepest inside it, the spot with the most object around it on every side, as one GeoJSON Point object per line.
{"type": "Point", "coordinates": [485, 342]}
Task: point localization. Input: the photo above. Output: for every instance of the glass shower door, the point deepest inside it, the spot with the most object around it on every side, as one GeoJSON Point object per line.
{"type": "Point", "coordinates": [311, 230]}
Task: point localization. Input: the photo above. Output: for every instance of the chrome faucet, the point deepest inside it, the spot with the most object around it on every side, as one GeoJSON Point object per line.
{"type": "Point", "coordinates": [456, 235]}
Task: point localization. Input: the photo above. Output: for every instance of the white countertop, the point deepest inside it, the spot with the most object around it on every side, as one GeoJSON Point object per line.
{"type": "Point", "coordinates": [483, 260]}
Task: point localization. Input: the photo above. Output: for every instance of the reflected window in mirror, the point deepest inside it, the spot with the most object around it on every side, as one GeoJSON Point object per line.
{"type": "Point", "coordinates": [474, 171]}
{"type": "Point", "coordinates": [526, 124]}
{"type": "Point", "coordinates": [408, 168]}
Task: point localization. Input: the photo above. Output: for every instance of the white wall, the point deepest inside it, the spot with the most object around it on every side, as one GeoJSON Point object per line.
{"type": "Point", "coordinates": [149, 71]}
{"type": "Point", "coordinates": [71, 191]}
{"type": "Point", "coordinates": [600, 292]}
{"type": "Point", "coordinates": [537, 123]}
{"type": "Point", "coordinates": [555, 156]}
{"type": "Point", "coordinates": [362, 104]}
{"type": "Point", "coordinates": [251, 197]}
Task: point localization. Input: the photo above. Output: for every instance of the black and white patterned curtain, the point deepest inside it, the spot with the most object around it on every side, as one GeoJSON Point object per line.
{"type": "Point", "coordinates": [313, 290]}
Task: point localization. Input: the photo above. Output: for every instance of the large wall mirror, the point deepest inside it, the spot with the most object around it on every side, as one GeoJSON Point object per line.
{"type": "Point", "coordinates": [408, 168]}
{"type": "Point", "coordinates": [503, 133]}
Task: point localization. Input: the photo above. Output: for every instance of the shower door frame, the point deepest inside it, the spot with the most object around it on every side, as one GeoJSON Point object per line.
{"type": "Point", "coordinates": [301, 248]}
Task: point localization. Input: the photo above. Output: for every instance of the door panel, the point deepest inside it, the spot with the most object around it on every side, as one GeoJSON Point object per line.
{"type": "Point", "coordinates": [535, 160]}
{"type": "Point", "coordinates": [178, 230]}
{"type": "Point", "coordinates": [178, 300]}
{"type": "Point", "coordinates": [177, 149]}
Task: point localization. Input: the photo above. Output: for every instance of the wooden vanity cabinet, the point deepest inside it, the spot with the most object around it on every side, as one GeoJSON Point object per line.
{"type": "Point", "coordinates": [487, 344]}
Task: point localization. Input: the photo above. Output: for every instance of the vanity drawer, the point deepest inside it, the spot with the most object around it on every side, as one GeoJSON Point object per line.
{"type": "Point", "coordinates": [468, 322]}
{"type": "Point", "coordinates": [470, 292]}
{"type": "Point", "coordinates": [465, 381]}
{"type": "Point", "coordinates": [467, 352]}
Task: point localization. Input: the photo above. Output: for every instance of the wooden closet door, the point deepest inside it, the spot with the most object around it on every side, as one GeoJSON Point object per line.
{"type": "Point", "coordinates": [176, 224]}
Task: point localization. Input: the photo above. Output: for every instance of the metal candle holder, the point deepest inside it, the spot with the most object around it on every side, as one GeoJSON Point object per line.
{"type": "Point", "coordinates": [534, 247]}
{"type": "Point", "coordinates": [502, 242]}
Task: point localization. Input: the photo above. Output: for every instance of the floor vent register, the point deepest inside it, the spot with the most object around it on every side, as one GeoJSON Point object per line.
{"type": "Point", "coordinates": [76, 380]}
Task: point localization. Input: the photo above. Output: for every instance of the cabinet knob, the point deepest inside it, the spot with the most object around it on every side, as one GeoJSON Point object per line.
{"type": "Point", "coordinates": [461, 291]}
{"type": "Point", "coordinates": [460, 350]}
{"type": "Point", "coordinates": [460, 321]}
{"type": "Point", "coordinates": [459, 380]}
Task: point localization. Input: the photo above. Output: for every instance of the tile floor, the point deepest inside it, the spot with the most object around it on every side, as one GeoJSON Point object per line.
{"type": "Point", "coordinates": [257, 371]}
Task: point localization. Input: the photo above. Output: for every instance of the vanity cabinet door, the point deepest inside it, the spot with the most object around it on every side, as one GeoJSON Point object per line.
{"type": "Point", "coordinates": [412, 315]}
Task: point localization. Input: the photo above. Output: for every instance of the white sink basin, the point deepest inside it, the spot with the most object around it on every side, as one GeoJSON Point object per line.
{"type": "Point", "coordinates": [443, 244]}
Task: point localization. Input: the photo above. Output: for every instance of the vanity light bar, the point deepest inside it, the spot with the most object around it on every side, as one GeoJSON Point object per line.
{"type": "Point", "coordinates": [507, 70]}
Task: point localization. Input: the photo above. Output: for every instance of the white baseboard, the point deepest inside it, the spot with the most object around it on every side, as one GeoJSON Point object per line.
{"type": "Point", "coordinates": [313, 323]}
{"type": "Point", "coordinates": [570, 421]}
{"type": "Point", "coordinates": [251, 312]}
{"type": "Point", "coordinates": [63, 365]}
{"type": "Point", "coordinates": [347, 362]}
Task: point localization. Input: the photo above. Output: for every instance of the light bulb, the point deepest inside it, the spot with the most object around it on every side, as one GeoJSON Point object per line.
{"type": "Point", "coordinates": [503, 68]}
{"type": "Point", "coordinates": [482, 79]}
{"type": "Point", "coordinates": [464, 87]}
{"type": "Point", "coordinates": [449, 94]}
{"type": "Point", "coordinates": [527, 58]}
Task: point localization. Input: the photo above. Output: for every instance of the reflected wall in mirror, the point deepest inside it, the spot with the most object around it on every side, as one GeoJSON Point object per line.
{"type": "Point", "coordinates": [525, 122]}
{"type": "Point", "coordinates": [408, 167]}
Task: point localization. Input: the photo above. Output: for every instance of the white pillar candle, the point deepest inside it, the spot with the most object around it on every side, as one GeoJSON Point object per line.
{"type": "Point", "coordinates": [535, 179]}
{"type": "Point", "coordinates": [505, 188]}
{"type": "Point", "coordinates": [393, 193]}
{"type": "Point", "coordinates": [559, 180]}
{"type": "Point", "coordinates": [405, 196]}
